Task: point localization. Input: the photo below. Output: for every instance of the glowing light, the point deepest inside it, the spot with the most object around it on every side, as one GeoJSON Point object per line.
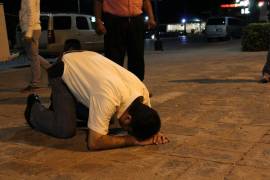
{"type": "Point", "coordinates": [93, 19]}
{"type": "Point", "coordinates": [196, 20]}
{"type": "Point", "coordinates": [260, 3]}
{"type": "Point", "coordinates": [146, 18]}
{"type": "Point", "coordinates": [245, 11]}
{"type": "Point", "coordinates": [184, 20]}
{"type": "Point", "coordinates": [230, 5]}
{"type": "Point", "coordinates": [238, 3]}
{"type": "Point", "coordinates": [244, 3]}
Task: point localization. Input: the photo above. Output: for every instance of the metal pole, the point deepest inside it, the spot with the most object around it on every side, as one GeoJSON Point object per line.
{"type": "Point", "coordinates": [79, 6]}
{"type": "Point", "coordinates": [158, 42]}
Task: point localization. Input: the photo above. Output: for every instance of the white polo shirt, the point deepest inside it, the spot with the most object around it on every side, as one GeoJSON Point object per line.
{"type": "Point", "coordinates": [102, 85]}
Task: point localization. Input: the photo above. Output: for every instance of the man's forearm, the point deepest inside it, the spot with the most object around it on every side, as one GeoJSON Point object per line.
{"type": "Point", "coordinates": [98, 4]}
{"type": "Point", "coordinates": [147, 6]}
{"type": "Point", "coordinates": [111, 142]}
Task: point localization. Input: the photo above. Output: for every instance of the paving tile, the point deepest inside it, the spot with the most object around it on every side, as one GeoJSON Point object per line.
{"type": "Point", "coordinates": [258, 157]}
{"type": "Point", "coordinates": [265, 139]}
{"type": "Point", "coordinates": [9, 132]}
{"type": "Point", "coordinates": [178, 129]}
{"type": "Point", "coordinates": [206, 170]}
{"type": "Point", "coordinates": [17, 150]}
{"type": "Point", "coordinates": [56, 158]}
{"type": "Point", "coordinates": [151, 167]}
{"type": "Point", "coordinates": [204, 141]}
{"type": "Point", "coordinates": [235, 132]}
{"type": "Point", "coordinates": [246, 173]}
{"type": "Point", "coordinates": [19, 168]}
{"type": "Point", "coordinates": [26, 135]}
{"type": "Point", "coordinates": [207, 154]}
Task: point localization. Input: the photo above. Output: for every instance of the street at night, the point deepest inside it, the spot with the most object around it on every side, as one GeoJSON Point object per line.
{"type": "Point", "coordinates": [212, 107]}
{"type": "Point", "coordinates": [137, 90]}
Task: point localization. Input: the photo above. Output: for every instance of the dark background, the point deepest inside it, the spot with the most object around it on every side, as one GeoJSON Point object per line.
{"type": "Point", "coordinates": [169, 11]}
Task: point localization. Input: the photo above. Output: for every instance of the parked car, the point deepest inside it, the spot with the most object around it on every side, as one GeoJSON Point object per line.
{"type": "Point", "coordinates": [66, 31]}
{"type": "Point", "coordinates": [223, 28]}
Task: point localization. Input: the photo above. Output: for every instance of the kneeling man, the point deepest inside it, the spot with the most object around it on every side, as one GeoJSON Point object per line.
{"type": "Point", "coordinates": [108, 90]}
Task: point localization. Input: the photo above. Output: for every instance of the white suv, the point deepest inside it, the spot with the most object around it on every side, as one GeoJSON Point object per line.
{"type": "Point", "coordinates": [223, 28]}
{"type": "Point", "coordinates": [67, 31]}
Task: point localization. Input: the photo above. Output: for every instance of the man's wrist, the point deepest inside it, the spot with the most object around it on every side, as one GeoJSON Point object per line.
{"type": "Point", "coordinates": [99, 21]}
{"type": "Point", "coordinates": [130, 141]}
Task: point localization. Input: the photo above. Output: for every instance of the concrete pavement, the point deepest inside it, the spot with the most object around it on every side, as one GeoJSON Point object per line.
{"type": "Point", "coordinates": [212, 108]}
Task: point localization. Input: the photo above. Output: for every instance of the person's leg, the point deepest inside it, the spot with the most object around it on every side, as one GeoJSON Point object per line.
{"type": "Point", "coordinates": [136, 47]}
{"type": "Point", "coordinates": [61, 120]}
{"type": "Point", "coordinates": [44, 63]}
{"type": "Point", "coordinates": [266, 69]}
{"type": "Point", "coordinates": [115, 39]}
{"type": "Point", "coordinates": [31, 48]}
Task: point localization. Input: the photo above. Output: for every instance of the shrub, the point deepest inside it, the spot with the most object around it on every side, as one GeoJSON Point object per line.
{"type": "Point", "coordinates": [256, 37]}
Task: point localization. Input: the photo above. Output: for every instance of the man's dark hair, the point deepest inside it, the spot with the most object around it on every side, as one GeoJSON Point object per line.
{"type": "Point", "coordinates": [145, 121]}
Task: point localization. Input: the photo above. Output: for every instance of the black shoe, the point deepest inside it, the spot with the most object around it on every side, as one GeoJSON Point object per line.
{"type": "Point", "coordinates": [264, 80]}
{"type": "Point", "coordinates": [31, 100]}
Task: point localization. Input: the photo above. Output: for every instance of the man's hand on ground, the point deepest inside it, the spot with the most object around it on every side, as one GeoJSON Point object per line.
{"type": "Point", "coordinates": [156, 139]}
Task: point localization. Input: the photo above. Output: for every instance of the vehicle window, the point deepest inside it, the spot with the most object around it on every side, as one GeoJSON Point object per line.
{"type": "Point", "coordinates": [44, 22]}
{"type": "Point", "coordinates": [82, 23]}
{"type": "Point", "coordinates": [61, 22]}
{"type": "Point", "coordinates": [216, 21]}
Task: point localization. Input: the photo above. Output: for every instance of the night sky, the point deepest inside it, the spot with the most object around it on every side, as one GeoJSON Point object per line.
{"type": "Point", "coordinates": [174, 10]}
{"type": "Point", "coordinates": [169, 10]}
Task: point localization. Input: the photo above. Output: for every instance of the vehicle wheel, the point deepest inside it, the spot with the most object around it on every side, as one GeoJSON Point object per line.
{"type": "Point", "coordinates": [69, 46]}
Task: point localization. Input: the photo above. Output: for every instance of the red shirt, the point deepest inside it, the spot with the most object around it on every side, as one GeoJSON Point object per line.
{"type": "Point", "coordinates": [123, 8]}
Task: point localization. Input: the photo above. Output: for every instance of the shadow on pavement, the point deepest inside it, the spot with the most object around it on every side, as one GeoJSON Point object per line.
{"type": "Point", "coordinates": [215, 81]}
{"type": "Point", "coordinates": [2, 90]}
{"type": "Point", "coordinates": [12, 100]}
{"type": "Point", "coordinates": [25, 135]}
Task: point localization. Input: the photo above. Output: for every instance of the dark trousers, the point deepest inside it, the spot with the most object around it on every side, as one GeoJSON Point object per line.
{"type": "Point", "coordinates": [60, 119]}
{"type": "Point", "coordinates": [266, 68]}
{"type": "Point", "coordinates": [125, 34]}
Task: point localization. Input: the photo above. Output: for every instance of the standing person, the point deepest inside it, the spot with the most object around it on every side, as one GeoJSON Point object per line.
{"type": "Point", "coordinates": [109, 91]}
{"type": "Point", "coordinates": [123, 26]}
{"type": "Point", "coordinates": [29, 17]}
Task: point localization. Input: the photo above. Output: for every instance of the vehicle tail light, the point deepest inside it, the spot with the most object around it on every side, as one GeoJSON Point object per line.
{"type": "Point", "coordinates": [51, 36]}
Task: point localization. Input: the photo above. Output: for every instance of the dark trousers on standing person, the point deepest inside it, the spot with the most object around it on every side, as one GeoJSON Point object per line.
{"type": "Point", "coordinates": [125, 34]}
